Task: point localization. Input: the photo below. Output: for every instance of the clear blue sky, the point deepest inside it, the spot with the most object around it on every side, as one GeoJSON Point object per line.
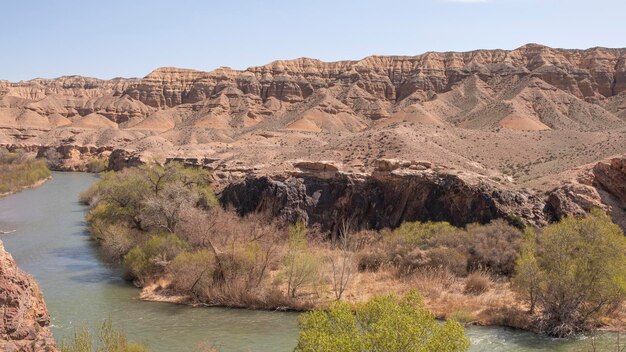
{"type": "Point", "coordinates": [110, 38]}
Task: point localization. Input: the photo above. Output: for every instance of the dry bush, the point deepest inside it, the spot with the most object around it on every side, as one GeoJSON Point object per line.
{"type": "Point", "coordinates": [477, 283]}
{"type": "Point", "coordinates": [371, 259]}
{"type": "Point", "coordinates": [433, 281]}
{"type": "Point", "coordinates": [365, 239]}
{"type": "Point", "coordinates": [244, 250]}
{"type": "Point", "coordinates": [191, 271]}
{"type": "Point", "coordinates": [508, 315]}
{"type": "Point", "coordinates": [97, 165]}
{"type": "Point", "coordinates": [434, 245]}
{"type": "Point", "coordinates": [118, 240]}
{"type": "Point", "coordinates": [164, 210]}
{"type": "Point", "coordinates": [342, 261]}
{"type": "Point", "coordinates": [453, 259]}
{"type": "Point", "coordinates": [301, 266]}
{"type": "Point", "coordinates": [494, 246]}
{"type": "Point", "coordinates": [411, 261]}
{"type": "Point", "coordinates": [463, 316]}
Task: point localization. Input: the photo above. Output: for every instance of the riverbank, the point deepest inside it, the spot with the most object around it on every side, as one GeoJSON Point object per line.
{"type": "Point", "coordinates": [23, 188]}
{"type": "Point", "coordinates": [443, 295]}
{"type": "Point", "coordinates": [80, 289]}
{"type": "Point", "coordinates": [20, 171]}
{"type": "Point", "coordinates": [164, 225]}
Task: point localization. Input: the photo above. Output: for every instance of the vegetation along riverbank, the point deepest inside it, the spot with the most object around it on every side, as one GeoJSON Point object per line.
{"type": "Point", "coordinates": [19, 171]}
{"type": "Point", "coordinates": [165, 226]}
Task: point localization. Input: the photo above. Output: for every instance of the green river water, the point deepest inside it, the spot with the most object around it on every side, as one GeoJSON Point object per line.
{"type": "Point", "coordinates": [50, 243]}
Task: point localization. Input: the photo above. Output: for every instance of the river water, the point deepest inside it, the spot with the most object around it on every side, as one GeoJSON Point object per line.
{"type": "Point", "coordinates": [80, 290]}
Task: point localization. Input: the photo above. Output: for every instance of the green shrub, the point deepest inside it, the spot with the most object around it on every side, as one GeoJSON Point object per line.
{"type": "Point", "coordinates": [417, 233]}
{"type": "Point", "coordinates": [146, 260]}
{"type": "Point", "coordinates": [385, 323]}
{"type": "Point", "coordinates": [580, 271]}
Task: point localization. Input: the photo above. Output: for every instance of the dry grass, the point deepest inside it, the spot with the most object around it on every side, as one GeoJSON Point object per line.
{"type": "Point", "coordinates": [477, 283]}
{"type": "Point", "coordinates": [444, 295]}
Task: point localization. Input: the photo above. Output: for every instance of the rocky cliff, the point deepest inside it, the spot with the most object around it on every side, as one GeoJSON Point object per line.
{"type": "Point", "coordinates": [395, 192]}
{"type": "Point", "coordinates": [518, 119]}
{"type": "Point", "coordinates": [398, 191]}
{"type": "Point", "coordinates": [25, 323]}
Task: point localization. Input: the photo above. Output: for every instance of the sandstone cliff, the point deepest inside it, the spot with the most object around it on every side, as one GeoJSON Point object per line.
{"type": "Point", "coordinates": [25, 321]}
{"type": "Point", "coordinates": [519, 118]}
{"type": "Point", "coordinates": [532, 87]}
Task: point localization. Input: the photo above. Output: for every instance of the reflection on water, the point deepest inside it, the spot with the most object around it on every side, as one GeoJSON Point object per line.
{"type": "Point", "coordinates": [50, 243]}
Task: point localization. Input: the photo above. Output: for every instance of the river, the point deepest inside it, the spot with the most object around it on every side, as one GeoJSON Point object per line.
{"type": "Point", "coordinates": [80, 290]}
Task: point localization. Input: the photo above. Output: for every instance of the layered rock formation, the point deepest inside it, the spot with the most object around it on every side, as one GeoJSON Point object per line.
{"type": "Point", "coordinates": [533, 87]}
{"type": "Point", "coordinates": [516, 119]}
{"type": "Point", "coordinates": [25, 323]}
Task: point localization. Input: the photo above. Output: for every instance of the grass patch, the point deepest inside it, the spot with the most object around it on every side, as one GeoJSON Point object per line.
{"type": "Point", "coordinates": [20, 170]}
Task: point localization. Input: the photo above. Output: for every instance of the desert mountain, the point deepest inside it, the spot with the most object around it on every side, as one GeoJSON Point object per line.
{"type": "Point", "coordinates": [524, 118]}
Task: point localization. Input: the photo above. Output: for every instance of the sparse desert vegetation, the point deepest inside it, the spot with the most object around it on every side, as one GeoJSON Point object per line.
{"type": "Point", "coordinates": [20, 170]}
{"type": "Point", "coordinates": [164, 225]}
{"type": "Point", "coordinates": [107, 339]}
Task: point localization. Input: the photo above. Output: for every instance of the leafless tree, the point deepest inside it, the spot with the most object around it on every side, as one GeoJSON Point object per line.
{"type": "Point", "coordinates": [164, 210]}
{"type": "Point", "coordinates": [343, 265]}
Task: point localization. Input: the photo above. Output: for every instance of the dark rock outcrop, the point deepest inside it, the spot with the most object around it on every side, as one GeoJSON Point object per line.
{"type": "Point", "coordinates": [25, 323]}
{"type": "Point", "coordinates": [382, 199]}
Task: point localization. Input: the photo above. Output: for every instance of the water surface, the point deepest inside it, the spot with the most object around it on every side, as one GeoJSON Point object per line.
{"type": "Point", "coordinates": [50, 243]}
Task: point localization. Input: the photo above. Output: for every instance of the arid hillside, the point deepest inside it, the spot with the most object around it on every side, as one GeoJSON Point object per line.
{"type": "Point", "coordinates": [533, 119]}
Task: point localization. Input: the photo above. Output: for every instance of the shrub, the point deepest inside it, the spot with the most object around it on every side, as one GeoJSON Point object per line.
{"type": "Point", "coordinates": [417, 233]}
{"type": "Point", "coordinates": [462, 316]}
{"type": "Point", "coordinates": [116, 240]}
{"type": "Point", "coordinates": [119, 196]}
{"type": "Point", "coordinates": [580, 268]}
{"type": "Point", "coordinates": [163, 211]}
{"type": "Point", "coordinates": [452, 259]}
{"type": "Point", "coordinates": [301, 266]}
{"type": "Point", "coordinates": [527, 271]}
{"type": "Point", "coordinates": [385, 323]}
{"type": "Point", "coordinates": [371, 259]}
{"type": "Point", "coordinates": [192, 271]}
{"type": "Point", "coordinates": [97, 165]}
{"type": "Point", "coordinates": [494, 246]}
{"type": "Point", "coordinates": [109, 340]}
{"type": "Point", "coordinates": [148, 259]}
{"type": "Point", "coordinates": [476, 283]}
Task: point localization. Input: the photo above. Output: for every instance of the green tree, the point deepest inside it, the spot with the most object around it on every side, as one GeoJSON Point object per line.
{"type": "Point", "coordinates": [527, 271]}
{"type": "Point", "coordinates": [385, 323]}
{"type": "Point", "coordinates": [579, 270]}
